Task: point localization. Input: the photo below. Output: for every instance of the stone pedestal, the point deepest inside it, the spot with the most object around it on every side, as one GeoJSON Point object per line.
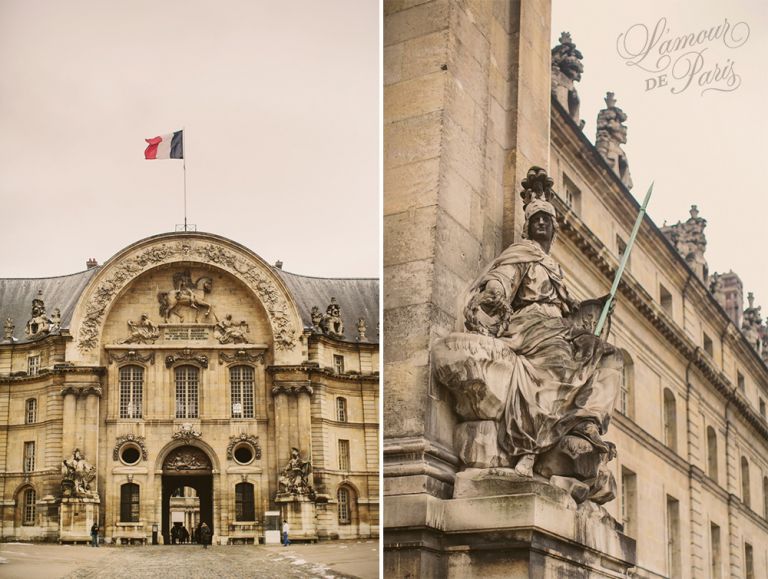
{"type": "Point", "coordinates": [299, 511]}
{"type": "Point", "coordinates": [76, 516]}
{"type": "Point", "coordinates": [533, 530]}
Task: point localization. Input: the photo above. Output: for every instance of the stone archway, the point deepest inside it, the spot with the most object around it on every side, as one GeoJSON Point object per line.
{"type": "Point", "coordinates": [187, 467]}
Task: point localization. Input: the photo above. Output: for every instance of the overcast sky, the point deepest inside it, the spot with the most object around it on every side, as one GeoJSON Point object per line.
{"type": "Point", "coordinates": [706, 149]}
{"type": "Point", "coordinates": [279, 102]}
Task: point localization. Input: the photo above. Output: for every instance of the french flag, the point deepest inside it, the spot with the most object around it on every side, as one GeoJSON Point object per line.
{"type": "Point", "coordinates": [165, 146]}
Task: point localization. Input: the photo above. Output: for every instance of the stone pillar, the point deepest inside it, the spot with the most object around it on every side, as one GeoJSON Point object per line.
{"type": "Point", "coordinates": [91, 434]}
{"type": "Point", "coordinates": [281, 426]}
{"type": "Point", "coordinates": [69, 426]}
{"type": "Point", "coordinates": [305, 422]}
{"type": "Point", "coordinates": [466, 113]}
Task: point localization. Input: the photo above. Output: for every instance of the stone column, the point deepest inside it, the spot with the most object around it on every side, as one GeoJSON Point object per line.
{"type": "Point", "coordinates": [69, 426]}
{"type": "Point", "coordinates": [91, 434]}
{"type": "Point", "coordinates": [305, 422]}
{"type": "Point", "coordinates": [281, 426]}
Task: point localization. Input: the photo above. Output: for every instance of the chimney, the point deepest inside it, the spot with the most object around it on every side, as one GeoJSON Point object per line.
{"type": "Point", "coordinates": [91, 263]}
{"type": "Point", "coordinates": [279, 264]}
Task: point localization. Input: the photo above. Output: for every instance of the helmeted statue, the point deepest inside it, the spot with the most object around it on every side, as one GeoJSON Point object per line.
{"type": "Point", "coordinates": [534, 387]}
{"type": "Point", "coordinates": [77, 475]}
{"type": "Point", "coordinates": [294, 478]}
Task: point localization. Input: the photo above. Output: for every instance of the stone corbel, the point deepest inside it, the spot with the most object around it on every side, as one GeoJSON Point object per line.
{"type": "Point", "coordinates": [80, 390]}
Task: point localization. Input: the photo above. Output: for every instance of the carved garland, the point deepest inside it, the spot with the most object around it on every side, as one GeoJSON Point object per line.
{"type": "Point", "coordinates": [106, 291]}
{"type": "Point", "coordinates": [241, 356]}
{"type": "Point", "coordinates": [250, 439]}
{"type": "Point", "coordinates": [186, 354]}
{"type": "Point", "coordinates": [132, 356]}
{"type": "Point", "coordinates": [121, 440]}
{"type": "Point", "coordinates": [187, 433]}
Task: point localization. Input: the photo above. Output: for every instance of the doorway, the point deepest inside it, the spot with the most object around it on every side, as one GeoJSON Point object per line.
{"type": "Point", "coordinates": [187, 492]}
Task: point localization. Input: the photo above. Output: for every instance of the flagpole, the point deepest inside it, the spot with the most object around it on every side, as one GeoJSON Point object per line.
{"type": "Point", "coordinates": [184, 166]}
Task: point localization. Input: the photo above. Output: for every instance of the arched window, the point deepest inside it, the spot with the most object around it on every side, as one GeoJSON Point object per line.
{"type": "Point", "coordinates": [745, 494]}
{"type": "Point", "coordinates": [30, 415]}
{"type": "Point", "coordinates": [129, 503]}
{"type": "Point", "coordinates": [670, 419]}
{"type": "Point", "coordinates": [711, 453]}
{"type": "Point", "coordinates": [626, 394]}
{"type": "Point", "coordinates": [131, 391]}
{"type": "Point", "coordinates": [244, 510]}
{"type": "Point", "coordinates": [345, 509]}
{"type": "Point", "coordinates": [341, 409]}
{"type": "Point", "coordinates": [241, 391]}
{"type": "Point", "coordinates": [30, 507]}
{"type": "Point", "coordinates": [187, 383]}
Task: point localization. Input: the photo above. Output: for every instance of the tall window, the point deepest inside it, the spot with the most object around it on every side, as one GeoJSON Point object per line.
{"type": "Point", "coordinates": [341, 409]}
{"type": "Point", "coordinates": [338, 363]}
{"type": "Point", "coordinates": [665, 299]}
{"type": "Point", "coordinates": [187, 382]}
{"type": "Point", "coordinates": [572, 195]}
{"type": "Point", "coordinates": [711, 453]}
{"type": "Point", "coordinates": [621, 248]}
{"type": "Point", "coordinates": [627, 386]}
{"type": "Point", "coordinates": [673, 537]}
{"type": "Point", "coordinates": [129, 503]}
{"type": "Point", "coordinates": [740, 382]}
{"type": "Point", "coordinates": [714, 547]}
{"type": "Point", "coordinates": [131, 391]}
{"type": "Point", "coordinates": [30, 414]}
{"type": "Point", "coordinates": [244, 510]}
{"type": "Point", "coordinates": [762, 408]}
{"type": "Point", "coordinates": [749, 562]}
{"type": "Point", "coordinates": [745, 494]}
{"type": "Point", "coordinates": [33, 365]}
{"type": "Point", "coordinates": [241, 391]}
{"type": "Point", "coordinates": [344, 508]}
{"type": "Point", "coordinates": [344, 455]}
{"type": "Point", "coordinates": [629, 501]}
{"type": "Point", "coordinates": [765, 497]}
{"type": "Point", "coordinates": [30, 508]}
{"type": "Point", "coordinates": [708, 348]}
{"type": "Point", "coordinates": [29, 456]}
{"type": "Point", "coordinates": [670, 419]}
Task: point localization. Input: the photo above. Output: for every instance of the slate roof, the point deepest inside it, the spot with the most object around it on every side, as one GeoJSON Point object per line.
{"type": "Point", "coordinates": [16, 295]}
{"type": "Point", "coordinates": [357, 298]}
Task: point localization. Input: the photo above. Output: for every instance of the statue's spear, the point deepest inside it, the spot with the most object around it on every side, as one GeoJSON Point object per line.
{"type": "Point", "coordinates": [623, 264]}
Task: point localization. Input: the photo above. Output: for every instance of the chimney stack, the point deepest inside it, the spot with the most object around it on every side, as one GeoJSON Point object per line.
{"type": "Point", "coordinates": [279, 264]}
{"type": "Point", "coordinates": [91, 263]}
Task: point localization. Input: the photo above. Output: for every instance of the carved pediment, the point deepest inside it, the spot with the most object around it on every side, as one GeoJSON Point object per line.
{"type": "Point", "coordinates": [187, 458]}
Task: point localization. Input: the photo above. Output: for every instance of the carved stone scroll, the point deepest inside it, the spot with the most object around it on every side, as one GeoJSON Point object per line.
{"type": "Point", "coordinates": [242, 356]}
{"type": "Point", "coordinates": [186, 354]}
{"type": "Point", "coordinates": [187, 433]}
{"type": "Point", "coordinates": [131, 356]}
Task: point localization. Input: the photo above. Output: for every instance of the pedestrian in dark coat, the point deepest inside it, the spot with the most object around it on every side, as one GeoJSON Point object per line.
{"type": "Point", "coordinates": [205, 535]}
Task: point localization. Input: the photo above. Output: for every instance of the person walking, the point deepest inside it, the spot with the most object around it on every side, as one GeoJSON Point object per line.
{"type": "Point", "coordinates": [205, 535]}
{"type": "Point", "coordinates": [95, 535]}
{"type": "Point", "coordinates": [286, 530]}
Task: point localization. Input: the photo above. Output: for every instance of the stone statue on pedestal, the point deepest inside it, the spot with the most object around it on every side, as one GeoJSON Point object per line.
{"type": "Point", "coordinates": [534, 387]}
{"type": "Point", "coordinates": [294, 478]}
{"type": "Point", "coordinates": [77, 475]}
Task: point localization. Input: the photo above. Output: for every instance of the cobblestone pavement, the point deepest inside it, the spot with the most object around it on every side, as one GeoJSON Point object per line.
{"type": "Point", "coordinates": [331, 560]}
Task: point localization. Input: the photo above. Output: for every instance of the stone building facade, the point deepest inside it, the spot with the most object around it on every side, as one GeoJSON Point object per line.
{"type": "Point", "coordinates": [197, 383]}
{"type": "Point", "coordinates": [469, 107]}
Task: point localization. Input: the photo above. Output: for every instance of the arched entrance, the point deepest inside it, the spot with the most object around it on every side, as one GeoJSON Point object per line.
{"type": "Point", "coordinates": [186, 468]}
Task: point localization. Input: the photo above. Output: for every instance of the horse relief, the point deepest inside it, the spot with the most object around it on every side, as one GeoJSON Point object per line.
{"type": "Point", "coordinates": [185, 293]}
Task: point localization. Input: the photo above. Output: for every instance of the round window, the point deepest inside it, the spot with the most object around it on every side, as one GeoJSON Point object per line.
{"type": "Point", "coordinates": [130, 454]}
{"type": "Point", "coordinates": [244, 454]}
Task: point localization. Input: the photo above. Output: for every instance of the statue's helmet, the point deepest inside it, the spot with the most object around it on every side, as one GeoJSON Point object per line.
{"type": "Point", "coordinates": [537, 194]}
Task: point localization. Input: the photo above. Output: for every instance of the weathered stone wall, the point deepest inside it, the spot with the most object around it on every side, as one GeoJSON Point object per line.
{"type": "Point", "coordinates": [466, 112]}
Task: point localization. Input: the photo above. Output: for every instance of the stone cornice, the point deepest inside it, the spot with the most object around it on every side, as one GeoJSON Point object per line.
{"type": "Point", "coordinates": [632, 429]}
{"type": "Point", "coordinates": [350, 425]}
{"type": "Point", "coordinates": [292, 387]}
{"type": "Point", "coordinates": [737, 504]}
{"type": "Point", "coordinates": [345, 344]}
{"type": "Point", "coordinates": [312, 368]}
{"type": "Point", "coordinates": [57, 370]}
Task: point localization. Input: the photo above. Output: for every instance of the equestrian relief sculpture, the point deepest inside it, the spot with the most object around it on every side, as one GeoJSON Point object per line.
{"type": "Point", "coordinates": [533, 386]}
